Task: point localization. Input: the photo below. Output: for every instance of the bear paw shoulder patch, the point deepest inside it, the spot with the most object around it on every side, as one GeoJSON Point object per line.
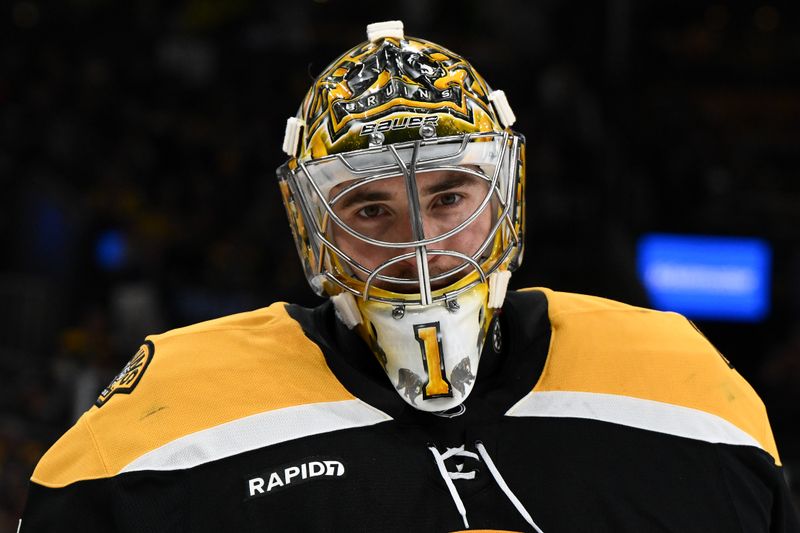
{"type": "Point", "coordinates": [129, 377]}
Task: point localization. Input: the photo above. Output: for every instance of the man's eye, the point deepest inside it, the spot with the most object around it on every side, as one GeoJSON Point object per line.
{"type": "Point", "coordinates": [449, 199]}
{"type": "Point", "coordinates": [371, 211]}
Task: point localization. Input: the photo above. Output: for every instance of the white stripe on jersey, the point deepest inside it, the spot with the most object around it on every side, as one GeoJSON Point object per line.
{"type": "Point", "coordinates": [633, 412]}
{"type": "Point", "coordinates": [257, 431]}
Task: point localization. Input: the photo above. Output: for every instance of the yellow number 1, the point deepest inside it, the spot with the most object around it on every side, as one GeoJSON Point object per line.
{"type": "Point", "coordinates": [429, 338]}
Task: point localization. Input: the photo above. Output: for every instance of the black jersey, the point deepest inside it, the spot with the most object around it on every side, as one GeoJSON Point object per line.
{"type": "Point", "coordinates": [587, 416]}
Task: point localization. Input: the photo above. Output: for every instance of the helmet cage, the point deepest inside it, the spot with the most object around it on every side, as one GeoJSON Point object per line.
{"type": "Point", "coordinates": [307, 187]}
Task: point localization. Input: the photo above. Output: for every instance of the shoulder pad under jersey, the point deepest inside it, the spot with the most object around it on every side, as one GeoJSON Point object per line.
{"type": "Point", "coordinates": [254, 375]}
{"type": "Point", "coordinates": [642, 368]}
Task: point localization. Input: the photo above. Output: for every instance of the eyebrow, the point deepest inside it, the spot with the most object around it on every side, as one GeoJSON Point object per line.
{"type": "Point", "coordinates": [451, 181]}
{"type": "Point", "coordinates": [361, 197]}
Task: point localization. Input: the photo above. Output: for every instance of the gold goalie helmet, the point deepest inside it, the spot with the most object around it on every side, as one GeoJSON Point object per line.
{"type": "Point", "coordinates": [404, 191]}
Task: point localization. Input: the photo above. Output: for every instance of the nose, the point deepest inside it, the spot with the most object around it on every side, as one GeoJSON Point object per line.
{"type": "Point", "coordinates": [403, 230]}
{"type": "Point", "coordinates": [408, 268]}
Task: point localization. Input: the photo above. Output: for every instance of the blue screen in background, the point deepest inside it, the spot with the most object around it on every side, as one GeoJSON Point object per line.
{"type": "Point", "coordinates": [111, 250]}
{"type": "Point", "coordinates": [705, 277]}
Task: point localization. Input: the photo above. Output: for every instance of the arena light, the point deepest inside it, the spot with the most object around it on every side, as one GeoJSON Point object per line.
{"type": "Point", "coordinates": [707, 277]}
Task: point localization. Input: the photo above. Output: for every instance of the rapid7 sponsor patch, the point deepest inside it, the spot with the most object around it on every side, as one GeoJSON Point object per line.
{"type": "Point", "coordinates": [293, 474]}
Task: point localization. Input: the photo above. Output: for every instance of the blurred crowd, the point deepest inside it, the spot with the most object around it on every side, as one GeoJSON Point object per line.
{"type": "Point", "coordinates": [138, 143]}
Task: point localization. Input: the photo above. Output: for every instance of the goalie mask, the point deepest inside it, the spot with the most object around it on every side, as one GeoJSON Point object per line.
{"type": "Point", "coordinates": [404, 191]}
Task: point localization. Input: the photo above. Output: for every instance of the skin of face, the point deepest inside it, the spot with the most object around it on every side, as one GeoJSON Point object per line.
{"type": "Point", "coordinates": [380, 210]}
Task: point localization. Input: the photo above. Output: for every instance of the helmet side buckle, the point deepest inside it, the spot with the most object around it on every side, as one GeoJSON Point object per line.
{"type": "Point", "coordinates": [501, 108]}
{"type": "Point", "coordinates": [498, 285]}
{"type": "Point", "coordinates": [347, 309]}
{"type": "Point", "coordinates": [291, 139]}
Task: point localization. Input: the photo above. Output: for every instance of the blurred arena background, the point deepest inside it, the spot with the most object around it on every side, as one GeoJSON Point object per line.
{"type": "Point", "coordinates": [138, 142]}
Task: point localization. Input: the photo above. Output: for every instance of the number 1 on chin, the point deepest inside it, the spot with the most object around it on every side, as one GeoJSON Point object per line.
{"type": "Point", "coordinates": [430, 342]}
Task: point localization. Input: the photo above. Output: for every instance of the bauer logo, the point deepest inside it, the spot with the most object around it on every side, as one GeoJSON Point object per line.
{"type": "Point", "coordinates": [293, 474]}
{"type": "Point", "coordinates": [398, 124]}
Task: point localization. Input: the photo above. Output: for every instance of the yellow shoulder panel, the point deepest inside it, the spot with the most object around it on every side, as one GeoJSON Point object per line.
{"type": "Point", "coordinates": [198, 377]}
{"type": "Point", "coordinates": [74, 456]}
{"type": "Point", "coordinates": [602, 346]}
